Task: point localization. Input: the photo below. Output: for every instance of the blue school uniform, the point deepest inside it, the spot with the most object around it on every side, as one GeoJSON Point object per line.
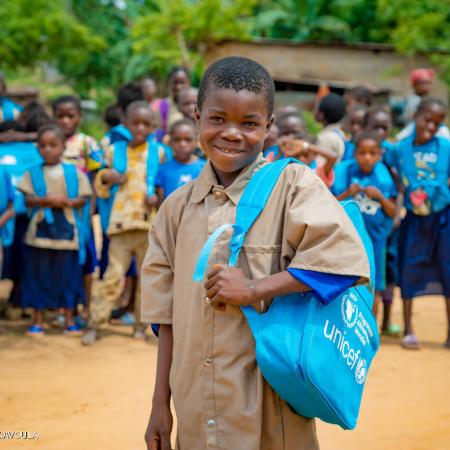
{"type": "Point", "coordinates": [9, 110]}
{"type": "Point", "coordinates": [173, 174]}
{"type": "Point", "coordinates": [379, 225]}
{"type": "Point", "coordinates": [424, 243]}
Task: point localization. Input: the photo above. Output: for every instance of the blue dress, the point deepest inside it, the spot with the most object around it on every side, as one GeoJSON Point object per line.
{"type": "Point", "coordinates": [424, 242]}
{"type": "Point", "coordinates": [378, 224]}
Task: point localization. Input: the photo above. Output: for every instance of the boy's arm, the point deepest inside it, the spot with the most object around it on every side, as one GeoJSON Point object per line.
{"type": "Point", "coordinates": [160, 423]}
{"type": "Point", "coordinates": [388, 204]}
{"type": "Point", "coordinates": [228, 285]}
{"type": "Point", "coordinates": [49, 201]}
{"type": "Point", "coordinates": [350, 192]}
{"type": "Point", "coordinates": [8, 214]}
{"type": "Point", "coordinates": [330, 158]}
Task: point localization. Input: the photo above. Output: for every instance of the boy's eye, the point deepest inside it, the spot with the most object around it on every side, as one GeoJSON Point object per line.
{"type": "Point", "coordinates": [250, 124]}
{"type": "Point", "coordinates": [216, 119]}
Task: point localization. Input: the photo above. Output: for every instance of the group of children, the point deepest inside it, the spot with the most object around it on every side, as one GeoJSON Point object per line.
{"type": "Point", "coordinates": [151, 149]}
{"type": "Point", "coordinates": [302, 241]}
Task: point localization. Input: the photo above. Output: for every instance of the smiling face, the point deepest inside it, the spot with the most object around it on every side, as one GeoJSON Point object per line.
{"type": "Point", "coordinates": [356, 121]}
{"type": "Point", "coordinates": [428, 122]}
{"type": "Point", "coordinates": [187, 101]}
{"type": "Point", "coordinates": [367, 154]}
{"type": "Point", "coordinates": [380, 122]}
{"type": "Point", "coordinates": [68, 117]}
{"type": "Point", "coordinates": [232, 127]}
{"type": "Point", "coordinates": [51, 147]}
{"type": "Point", "coordinates": [139, 122]}
{"type": "Point", "coordinates": [183, 142]}
{"type": "Point", "coordinates": [178, 81]}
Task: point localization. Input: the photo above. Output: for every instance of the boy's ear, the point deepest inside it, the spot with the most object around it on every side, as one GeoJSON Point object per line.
{"type": "Point", "coordinates": [197, 117]}
{"type": "Point", "coordinates": [269, 125]}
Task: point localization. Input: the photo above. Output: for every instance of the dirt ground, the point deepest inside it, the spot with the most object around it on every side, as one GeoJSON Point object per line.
{"type": "Point", "coordinates": [98, 398]}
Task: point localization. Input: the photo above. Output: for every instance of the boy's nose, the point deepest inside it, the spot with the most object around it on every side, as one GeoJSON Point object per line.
{"type": "Point", "coordinates": [232, 134]}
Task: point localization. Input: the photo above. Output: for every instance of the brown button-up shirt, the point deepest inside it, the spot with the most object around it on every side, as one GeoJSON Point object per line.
{"type": "Point", "coordinates": [221, 400]}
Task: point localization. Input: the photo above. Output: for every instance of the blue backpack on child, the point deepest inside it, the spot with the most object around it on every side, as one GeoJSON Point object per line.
{"type": "Point", "coordinates": [315, 356]}
{"type": "Point", "coordinates": [346, 173]}
{"type": "Point", "coordinates": [83, 220]}
{"type": "Point", "coordinates": [120, 162]}
{"type": "Point", "coordinates": [7, 231]}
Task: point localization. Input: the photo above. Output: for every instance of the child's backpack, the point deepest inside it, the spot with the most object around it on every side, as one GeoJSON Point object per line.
{"type": "Point", "coordinates": [9, 108]}
{"type": "Point", "coordinates": [82, 220]}
{"type": "Point", "coordinates": [315, 356]}
{"type": "Point", "coordinates": [346, 173]}
{"type": "Point", "coordinates": [7, 231]}
{"type": "Point", "coordinates": [120, 162]}
{"type": "Point", "coordinates": [435, 185]}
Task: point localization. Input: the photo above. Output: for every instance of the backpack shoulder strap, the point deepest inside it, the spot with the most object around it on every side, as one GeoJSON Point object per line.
{"type": "Point", "coordinates": [251, 204]}
{"type": "Point", "coordinates": [120, 157]}
{"type": "Point", "coordinates": [152, 165]}
{"type": "Point", "coordinates": [82, 221]}
{"type": "Point", "coordinates": [40, 188]}
{"type": "Point", "coordinates": [341, 176]}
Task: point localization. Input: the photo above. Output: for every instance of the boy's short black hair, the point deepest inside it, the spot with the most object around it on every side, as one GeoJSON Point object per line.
{"type": "Point", "coordinates": [238, 73]}
{"type": "Point", "coordinates": [367, 135]}
{"type": "Point", "coordinates": [176, 69]}
{"type": "Point", "coordinates": [112, 115]}
{"type": "Point", "coordinates": [53, 127]}
{"type": "Point", "coordinates": [129, 93]}
{"type": "Point", "coordinates": [374, 110]}
{"type": "Point", "coordinates": [75, 101]}
{"type": "Point", "coordinates": [361, 94]}
{"type": "Point", "coordinates": [430, 101]}
{"type": "Point", "coordinates": [35, 116]}
{"type": "Point", "coordinates": [139, 104]}
{"type": "Point", "coordinates": [181, 122]}
{"type": "Point", "coordinates": [281, 118]}
{"type": "Point", "coordinates": [332, 107]}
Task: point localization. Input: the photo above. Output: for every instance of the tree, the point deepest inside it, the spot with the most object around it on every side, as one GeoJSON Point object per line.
{"type": "Point", "coordinates": [414, 26]}
{"type": "Point", "coordinates": [43, 31]}
{"type": "Point", "coordinates": [180, 31]}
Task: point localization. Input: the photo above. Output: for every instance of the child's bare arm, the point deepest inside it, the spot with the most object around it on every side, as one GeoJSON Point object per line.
{"type": "Point", "coordinates": [388, 205]}
{"type": "Point", "coordinates": [160, 424]}
{"type": "Point", "coordinates": [229, 285]}
{"type": "Point", "coordinates": [8, 214]}
{"type": "Point", "coordinates": [330, 158]}
{"type": "Point", "coordinates": [350, 192]}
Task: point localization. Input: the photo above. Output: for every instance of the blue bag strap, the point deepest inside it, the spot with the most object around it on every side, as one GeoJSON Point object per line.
{"type": "Point", "coordinates": [152, 166]}
{"type": "Point", "coordinates": [7, 231]}
{"type": "Point", "coordinates": [202, 261]}
{"type": "Point", "coordinates": [82, 221]}
{"type": "Point", "coordinates": [252, 202]}
{"type": "Point", "coordinates": [8, 108]}
{"type": "Point", "coordinates": [40, 189]}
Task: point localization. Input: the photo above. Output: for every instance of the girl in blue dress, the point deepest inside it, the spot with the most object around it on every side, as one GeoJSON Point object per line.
{"type": "Point", "coordinates": [422, 162]}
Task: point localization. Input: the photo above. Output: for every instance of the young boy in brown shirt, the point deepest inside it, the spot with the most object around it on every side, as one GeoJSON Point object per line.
{"type": "Point", "coordinates": [206, 354]}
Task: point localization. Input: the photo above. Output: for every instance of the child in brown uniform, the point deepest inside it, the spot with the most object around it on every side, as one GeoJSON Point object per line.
{"type": "Point", "coordinates": [206, 355]}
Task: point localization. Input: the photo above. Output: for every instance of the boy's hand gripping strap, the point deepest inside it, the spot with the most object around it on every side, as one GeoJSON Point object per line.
{"type": "Point", "coordinates": [40, 188]}
{"type": "Point", "coordinates": [252, 202]}
{"type": "Point", "coordinates": [82, 221]}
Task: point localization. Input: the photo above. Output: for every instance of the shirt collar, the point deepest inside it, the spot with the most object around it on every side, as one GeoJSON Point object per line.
{"type": "Point", "coordinates": [207, 181]}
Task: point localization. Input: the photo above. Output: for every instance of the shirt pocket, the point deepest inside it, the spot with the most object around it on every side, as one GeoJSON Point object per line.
{"type": "Point", "coordinates": [258, 261]}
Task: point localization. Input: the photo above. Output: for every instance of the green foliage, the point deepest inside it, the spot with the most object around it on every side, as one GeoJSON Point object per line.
{"type": "Point", "coordinates": [43, 30]}
{"type": "Point", "coordinates": [180, 31]}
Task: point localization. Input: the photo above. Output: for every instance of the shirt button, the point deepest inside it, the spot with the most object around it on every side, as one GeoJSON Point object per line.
{"type": "Point", "coordinates": [207, 362]}
{"type": "Point", "coordinates": [217, 194]}
{"type": "Point", "coordinates": [211, 423]}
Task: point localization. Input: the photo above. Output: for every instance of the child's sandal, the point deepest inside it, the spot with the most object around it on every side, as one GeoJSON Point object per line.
{"type": "Point", "coordinates": [410, 342]}
{"type": "Point", "coordinates": [35, 331]}
{"type": "Point", "coordinates": [73, 330]}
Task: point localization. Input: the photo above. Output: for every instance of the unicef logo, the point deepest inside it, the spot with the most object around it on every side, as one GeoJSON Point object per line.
{"type": "Point", "coordinates": [349, 309]}
{"type": "Point", "coordinates": [361, 371]}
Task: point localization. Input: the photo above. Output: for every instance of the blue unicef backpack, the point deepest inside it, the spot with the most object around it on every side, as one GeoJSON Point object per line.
{"type": "Point", "coordinates": [315, 356]}
{"type": "Point", "coordinates": [82, 221]}
{"type": "Point", "coordinates": [120, 162]}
